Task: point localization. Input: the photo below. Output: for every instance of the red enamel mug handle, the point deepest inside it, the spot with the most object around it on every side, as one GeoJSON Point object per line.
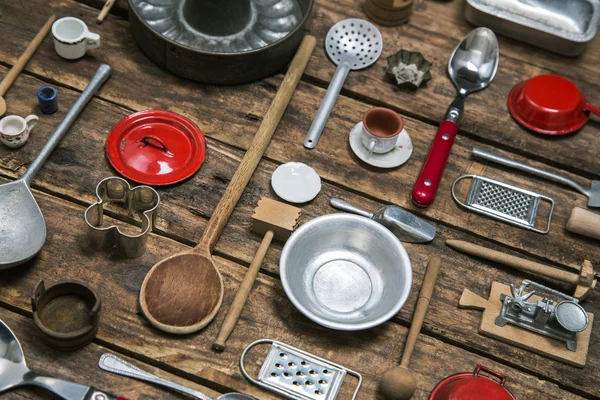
{"type": "Point", "coordinates": [431, 174]}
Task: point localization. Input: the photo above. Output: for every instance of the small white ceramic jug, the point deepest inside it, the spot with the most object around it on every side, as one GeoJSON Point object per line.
{"type": "Point", "coordinates": [381, 127]}
{"type": "Point", "coordinates": [72, 38]}
{"type": "Point", "coordinates": [14, 130]}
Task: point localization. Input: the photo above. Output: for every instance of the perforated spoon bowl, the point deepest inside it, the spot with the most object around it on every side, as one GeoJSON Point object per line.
{"type": "Point", "coordinates": [351, 44]}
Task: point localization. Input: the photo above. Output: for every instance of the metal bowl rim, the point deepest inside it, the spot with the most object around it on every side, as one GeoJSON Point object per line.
{"type": "Point", "coordinates": [404, 263]}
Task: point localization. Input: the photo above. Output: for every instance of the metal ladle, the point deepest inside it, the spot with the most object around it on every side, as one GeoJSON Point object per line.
{"type": "Point", "coordinates": [14, 373]}
{"type": "Point", "coordinates": [351, 44]}
{"type": "Point", "coordinates": [22, 226]}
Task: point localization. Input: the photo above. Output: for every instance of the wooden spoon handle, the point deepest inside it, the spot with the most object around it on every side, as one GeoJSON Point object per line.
{"type": "Point", "coordinates": [433, 268]}
{"type": "Point", "coordinates": [26, 56]}
{"type": "Point", "coordinates": [257, 148]}
{"type": "Point", "coordinates": [105, 10]}
{"type": "Point", "coordinates": [234, 312]}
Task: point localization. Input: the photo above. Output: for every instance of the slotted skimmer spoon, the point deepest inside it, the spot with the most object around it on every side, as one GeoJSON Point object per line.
{"type": "Point", "coordinates": [22, 226]}
{"type": "Point", "coordinates": [351, 44]}
{"type": "Point", "coordinates": [14, 373]}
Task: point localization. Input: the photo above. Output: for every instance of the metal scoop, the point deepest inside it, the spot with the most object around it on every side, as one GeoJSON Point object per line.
{"type": "Point", "coordinates": [351, 44]}
{"type": "Point", "coordinates": [404, 225]}
{"type": "Point", "coordinates": [472, 67]}
{"type": "Point", "coordinates": [14, 373]}
{"type": "Point", "coordinates": [22, 226]}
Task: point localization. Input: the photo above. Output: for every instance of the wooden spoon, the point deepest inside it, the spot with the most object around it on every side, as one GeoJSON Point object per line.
{"type": "Point", "coordinates": [399, 383]}
{"type": "Point", "coordinates": [22, 61]}
{"type": "Point", "coordinates": [183, 293]}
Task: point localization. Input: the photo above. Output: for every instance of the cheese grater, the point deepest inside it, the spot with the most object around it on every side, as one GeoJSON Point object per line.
{"type": "Point", "coordinates": [504, 202]}
{"type": "Point", "coordinates": [298, 375]}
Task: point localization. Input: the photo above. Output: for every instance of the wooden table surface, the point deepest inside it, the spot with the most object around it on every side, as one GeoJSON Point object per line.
{"type": "Point", "coordinates": [229, 116]}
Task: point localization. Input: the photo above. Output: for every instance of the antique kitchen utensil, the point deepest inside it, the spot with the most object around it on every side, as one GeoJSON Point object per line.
{"type": "Point", "coordinates": [219, 41]}
{"type": "Point", "coordinates": [14, 373]}
{"type": "Point", "coordinates": [72, 38]}
{"type": "Point", "coordinates": [400, 153]}
{"type": "Point", "coordinates": [182, 293]}
{"type": "Point", "coordinates": [273, 219]}
{"type": "Point", "coordinates": [47, 99]}
{"type": "Point", "coordinates": [584, 281]}
{"type": "Point", "coordinates": [472, 386]}
{"type": "Point", "coordinates": [156, 147]}
{"type": "Point", "coordinates": [564, 27]}
{"type": "Point", "coordinates": [296, 182]}
{"type": "Point", "coordinates": [351, 44]}
{"type": "Point", "coordinates": [22, 61]}
{"type": "Point", "coordinates": [507, 203]}
{"type": "Point", "coordinates": [116, 365]}
{"type": "Point", "coordinates": [140, 200]}
{"type": "Point", "coordinates": [584, 222]}
{"type": "Point", "coordinates": [561, 321]}
{"type": "Point", "coordinates": [406, 226]}
{"type": "Point", "coordinates": [472, 67]}
{"type": "Point", "coordinates": [22, 226]}
{"type": "Point", "coordinates": [298, 375]}
{"type": "Point", "coordinates": [388, 12]}
{"type": "Point", "coordinates": [345, 272]}
{"type": "Point", "coordinates": [408, 69]}
{"type": "Point", "coordinates": [67, 313]}
{"type": "Point", "coordinates": [105, 10]}
{"type": "Point", "coordinates": [398, 383]}
{"type": "Point", "coordinates": [592, 193]}
{"type": "Point", "coordinates": [520, 337]}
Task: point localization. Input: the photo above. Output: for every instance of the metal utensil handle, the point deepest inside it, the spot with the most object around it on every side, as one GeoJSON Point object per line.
{"type": "Point", "coordinates": [318, 124]}
{"type": "Point", "coordinates": [484, 155]}
{"type": "Point", "coordinates": [102, 74]}
{"type": "Point", "coordinates": [351, 208]}
{"type": "Point", "coordinates": [65, 389]}
{"type": "Point", "coordinates": [111, 363]}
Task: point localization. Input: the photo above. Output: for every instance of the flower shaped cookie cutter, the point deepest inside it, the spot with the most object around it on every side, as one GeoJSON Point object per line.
{"type": "Point", "coordinates": [141, 200]}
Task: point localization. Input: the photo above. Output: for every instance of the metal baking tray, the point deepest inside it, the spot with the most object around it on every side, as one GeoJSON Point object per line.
{"type": "Point", "coordinates": [561, 26]}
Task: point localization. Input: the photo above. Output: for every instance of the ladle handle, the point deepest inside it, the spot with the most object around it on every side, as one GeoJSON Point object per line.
{"type": "Point", "coordinates": [257, 148]}
{"type": "Point", "coordinates": [102, 74]}
{"type": "Point", "coordinates": [26, 56]}
{"type": "Point", "coordinates": [333, 91]}
{"type": "Point", "coordinates": [432, 172]}
{"type": "Point", "coordinates": [431, 274]}
{"type": "Point", "coordinates": [351, 208]}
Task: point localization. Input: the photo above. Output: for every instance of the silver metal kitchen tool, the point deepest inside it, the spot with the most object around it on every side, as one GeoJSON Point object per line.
{"type": "Point", "coordinates": [14, 373]}
{"type": "Point", "coordinates": [561, 321]}
{"type": "Point", "coordinates": [22, 226]}
{"type": "Point", "coordinates": [140, 200]}
{"type": "Point", "coordinates": [351, 44]}
{"type": "Point", "coordinates": [513, 205]}
{"type": "Point", "coordinates": [112, 363]}
{"type": "Point", "coordinates": [593, 192]}
{"type": "Point", "coordinates": [406, 226]}
{"type": "Point", "coordinates": [298, 375]}
{"type": "Point", "coordinates": [562, 26]}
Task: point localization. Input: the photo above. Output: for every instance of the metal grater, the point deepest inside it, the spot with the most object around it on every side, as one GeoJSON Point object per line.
{"type": "Point", "coordinates": [298, 375]}
{"type": "Point", "coordinates": [504, 202]}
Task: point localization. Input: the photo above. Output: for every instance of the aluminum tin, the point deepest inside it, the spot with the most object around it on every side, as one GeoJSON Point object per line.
{"type": "Point", "coordinates": [561, 26]}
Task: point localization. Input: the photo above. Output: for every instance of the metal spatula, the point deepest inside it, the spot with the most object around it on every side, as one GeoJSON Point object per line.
{"type": "Point", "coordinates": [352, 44]}
{"type": "Point", "coordinates": [22, 226]}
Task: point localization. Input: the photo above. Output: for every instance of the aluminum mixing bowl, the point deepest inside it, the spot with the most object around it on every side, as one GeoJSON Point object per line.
{"type": "Point", "coordinates": [345, 272]}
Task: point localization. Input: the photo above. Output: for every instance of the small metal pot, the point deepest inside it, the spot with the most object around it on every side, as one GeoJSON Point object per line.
{"type": "Point", "coordinates": [472, 386]}
{"type": "Point", "coordinates": [345, 272]}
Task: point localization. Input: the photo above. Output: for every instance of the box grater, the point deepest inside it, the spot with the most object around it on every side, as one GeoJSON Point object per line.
{"type": "Point", "coordinates": [504, 202]}
{"type": "Point", "coordinates": [298, 375]}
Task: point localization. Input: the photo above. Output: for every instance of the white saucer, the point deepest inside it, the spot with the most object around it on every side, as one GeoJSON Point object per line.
{"type": "Point", "coordinates": [296, 182]}
{"type": "Point", "coordinates": [397, 156]}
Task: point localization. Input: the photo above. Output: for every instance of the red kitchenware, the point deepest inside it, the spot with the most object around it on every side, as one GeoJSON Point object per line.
{"type": "Point", "coordinates": [550, 105]}
{"type": "Point", "coordinates": [156, 147]}
{"type": "Point", "coordinates": [472, 386]}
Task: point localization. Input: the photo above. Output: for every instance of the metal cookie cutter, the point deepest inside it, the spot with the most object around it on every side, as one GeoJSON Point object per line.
{"type": "Point", "coordinates": [298, 375]}
{"type": "Point", "coordinates": [504, 202]}
{"type": "Point", "coordinates": [142, 200]}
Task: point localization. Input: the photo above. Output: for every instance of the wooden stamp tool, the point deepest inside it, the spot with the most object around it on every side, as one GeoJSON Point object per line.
{"type": "Point", "coordinates": [275, 220]}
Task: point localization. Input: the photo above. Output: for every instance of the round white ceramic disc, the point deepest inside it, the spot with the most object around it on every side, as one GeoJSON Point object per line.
{"type": "Point", "coordinates": [296, 182]}
{"type": "Point", "coordinates": [397, 156]}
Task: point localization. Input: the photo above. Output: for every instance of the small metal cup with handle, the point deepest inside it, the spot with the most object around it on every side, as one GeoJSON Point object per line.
{"type": "Point", "coordinates": [14, 130]}
{"type": "Point", "coordinates": [72, 38]}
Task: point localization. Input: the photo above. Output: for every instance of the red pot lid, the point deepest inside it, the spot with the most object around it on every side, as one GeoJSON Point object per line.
{"type": "Point", "coordinates": [548, 104]}
{"type": "Point", "coordinates": [156, 147]}
{"type": "Point", "coordinates": [472, 386]}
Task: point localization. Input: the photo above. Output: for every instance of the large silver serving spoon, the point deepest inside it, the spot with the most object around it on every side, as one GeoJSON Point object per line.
{"type": "Point", "coordinates": [14, 373]}
{"type": "Point", "coordinates": [22, 226]}
{"type": "Point", "coordinates": [472, 67]}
